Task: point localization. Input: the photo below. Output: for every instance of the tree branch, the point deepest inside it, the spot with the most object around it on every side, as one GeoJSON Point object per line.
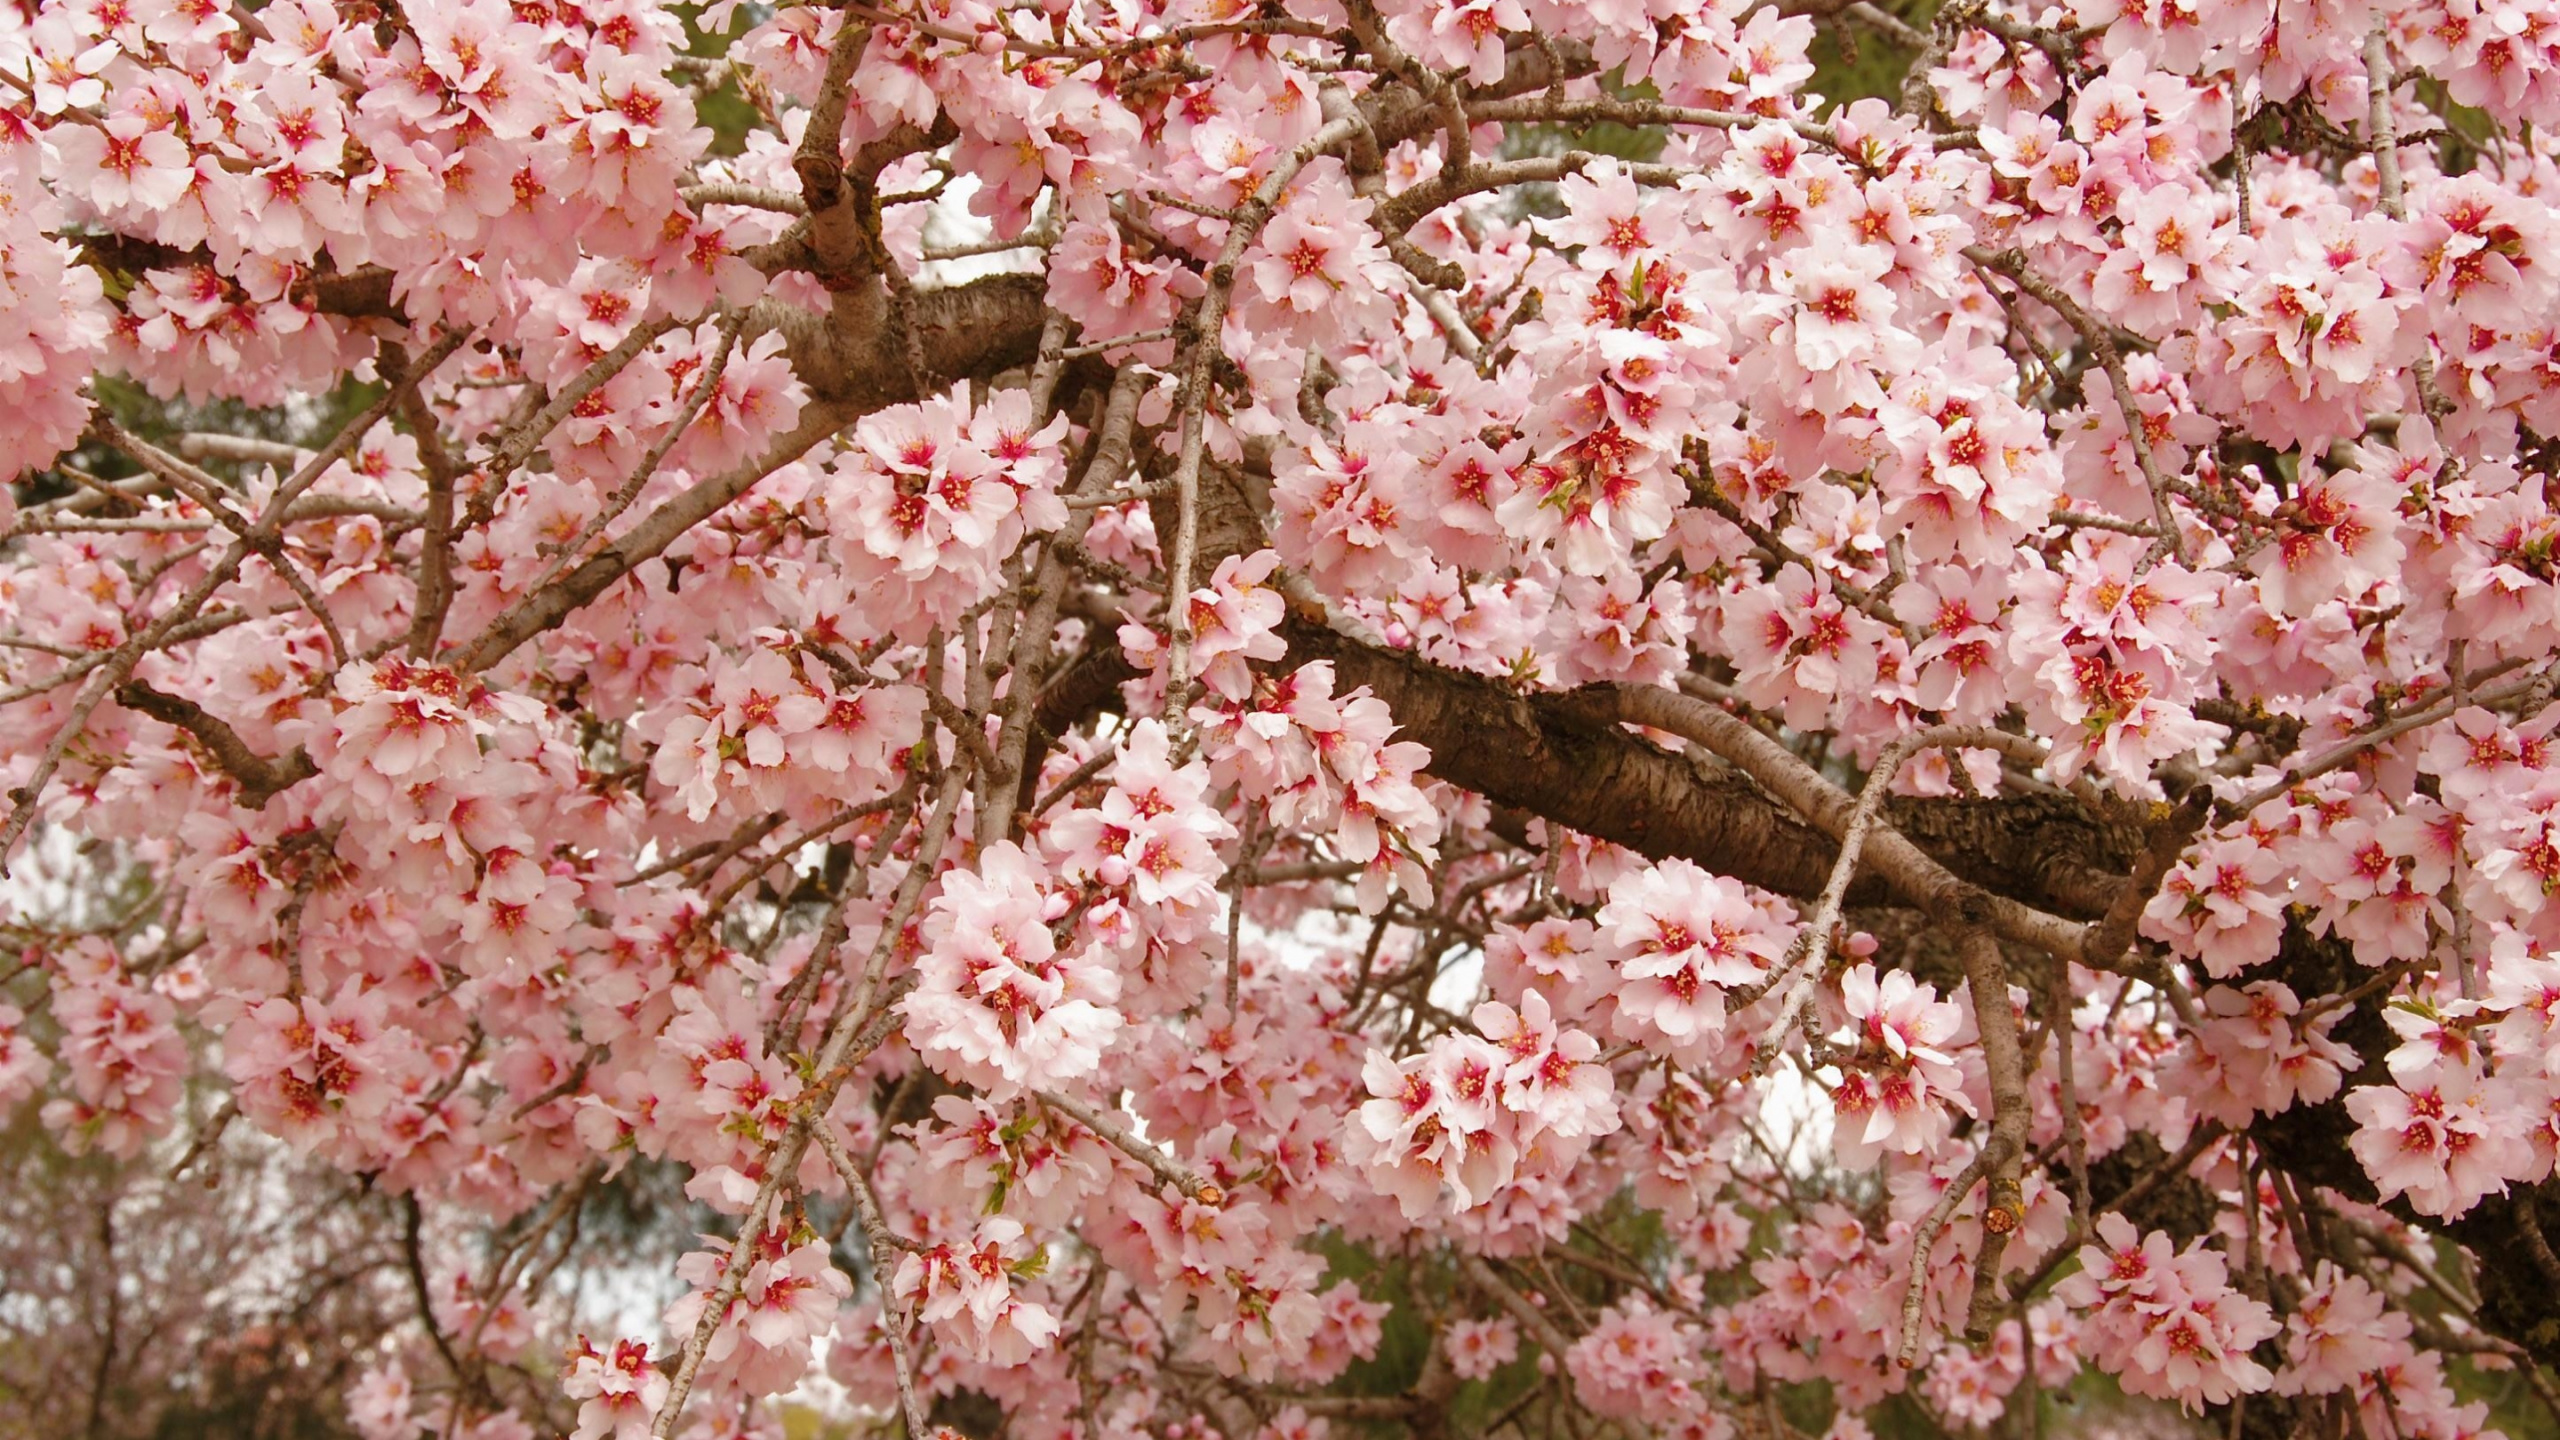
{"type": "Point", "coordinates": [1167, 1169]}
{"type": "Point", "coordinates": [1910, 871]}
{"type": "Point", "coordinates": [1987, 980]}
{"type": "Point", "coordinates": [259, 778]}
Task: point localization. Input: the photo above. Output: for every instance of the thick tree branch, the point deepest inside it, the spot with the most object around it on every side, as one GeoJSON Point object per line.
{"type": "Point", "coordinates": [1565, 759]}
{"type": "Point", "coordinates": [355, 295]}
{"type": "Point", "coordinates": [1911, 872]}
{"type": "Point", "coordinates": [259, 778]}
{"type": "Point", "coordinates": [1555, 758]}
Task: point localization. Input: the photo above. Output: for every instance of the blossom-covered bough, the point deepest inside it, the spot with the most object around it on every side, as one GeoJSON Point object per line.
{"type": "Point", "coordinates": [1334, 676]}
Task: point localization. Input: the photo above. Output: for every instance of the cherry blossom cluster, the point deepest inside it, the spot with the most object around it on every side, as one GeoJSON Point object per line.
{"type": "Point", "coordinates": [1222, 720]}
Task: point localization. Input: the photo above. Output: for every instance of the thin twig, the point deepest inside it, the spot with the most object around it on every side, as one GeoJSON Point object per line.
{"type": "Point", "coordinates": [1923, 1240]}
{"type": "Point", "coordinates": [2063, 1031]}
{"type": "Point", "coordinates": [895, 1316]}
{"type": "Point", "coordinates": [1533, 1320]}
{"type": "Point", "coordinates": [833, 1065]}
{"type": "Point", "coordinates": [1208, 327]}
{"type": "Point", "coordinates": [1167, 1169]}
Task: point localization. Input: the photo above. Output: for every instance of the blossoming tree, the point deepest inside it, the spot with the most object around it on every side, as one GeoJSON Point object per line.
{"type": "Point", "coordinates": [1334, 680]}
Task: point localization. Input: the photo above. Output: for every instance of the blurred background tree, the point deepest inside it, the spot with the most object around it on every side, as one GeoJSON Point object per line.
{"type": "Point", "coordinates": [134, 1306]}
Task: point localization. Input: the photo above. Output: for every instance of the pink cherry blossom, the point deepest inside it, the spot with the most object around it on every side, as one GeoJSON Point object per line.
{"type": "Point", "coordinates": [1680, 938]}
{"type": "Point", "coordinates": [998, 1003]}
{"type": "Point", "coordinates": [1159, 685]}
{"type": "Point", "coordinates": [620, 1394]}
{"type": "Point", "coordinates": [1895, 1093]}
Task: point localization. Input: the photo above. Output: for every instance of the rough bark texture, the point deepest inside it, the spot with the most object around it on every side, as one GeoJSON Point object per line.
{"type": "Point", "coordinates": [1540, 754]}
{"type": "Point", "coordinates": [853, 356]}
{"type": "Point", "coordinates": [1539, 757]}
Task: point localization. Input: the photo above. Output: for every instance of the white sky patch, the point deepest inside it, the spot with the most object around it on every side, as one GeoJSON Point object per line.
{"type": "Point", "coordinates": [950, 224]}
